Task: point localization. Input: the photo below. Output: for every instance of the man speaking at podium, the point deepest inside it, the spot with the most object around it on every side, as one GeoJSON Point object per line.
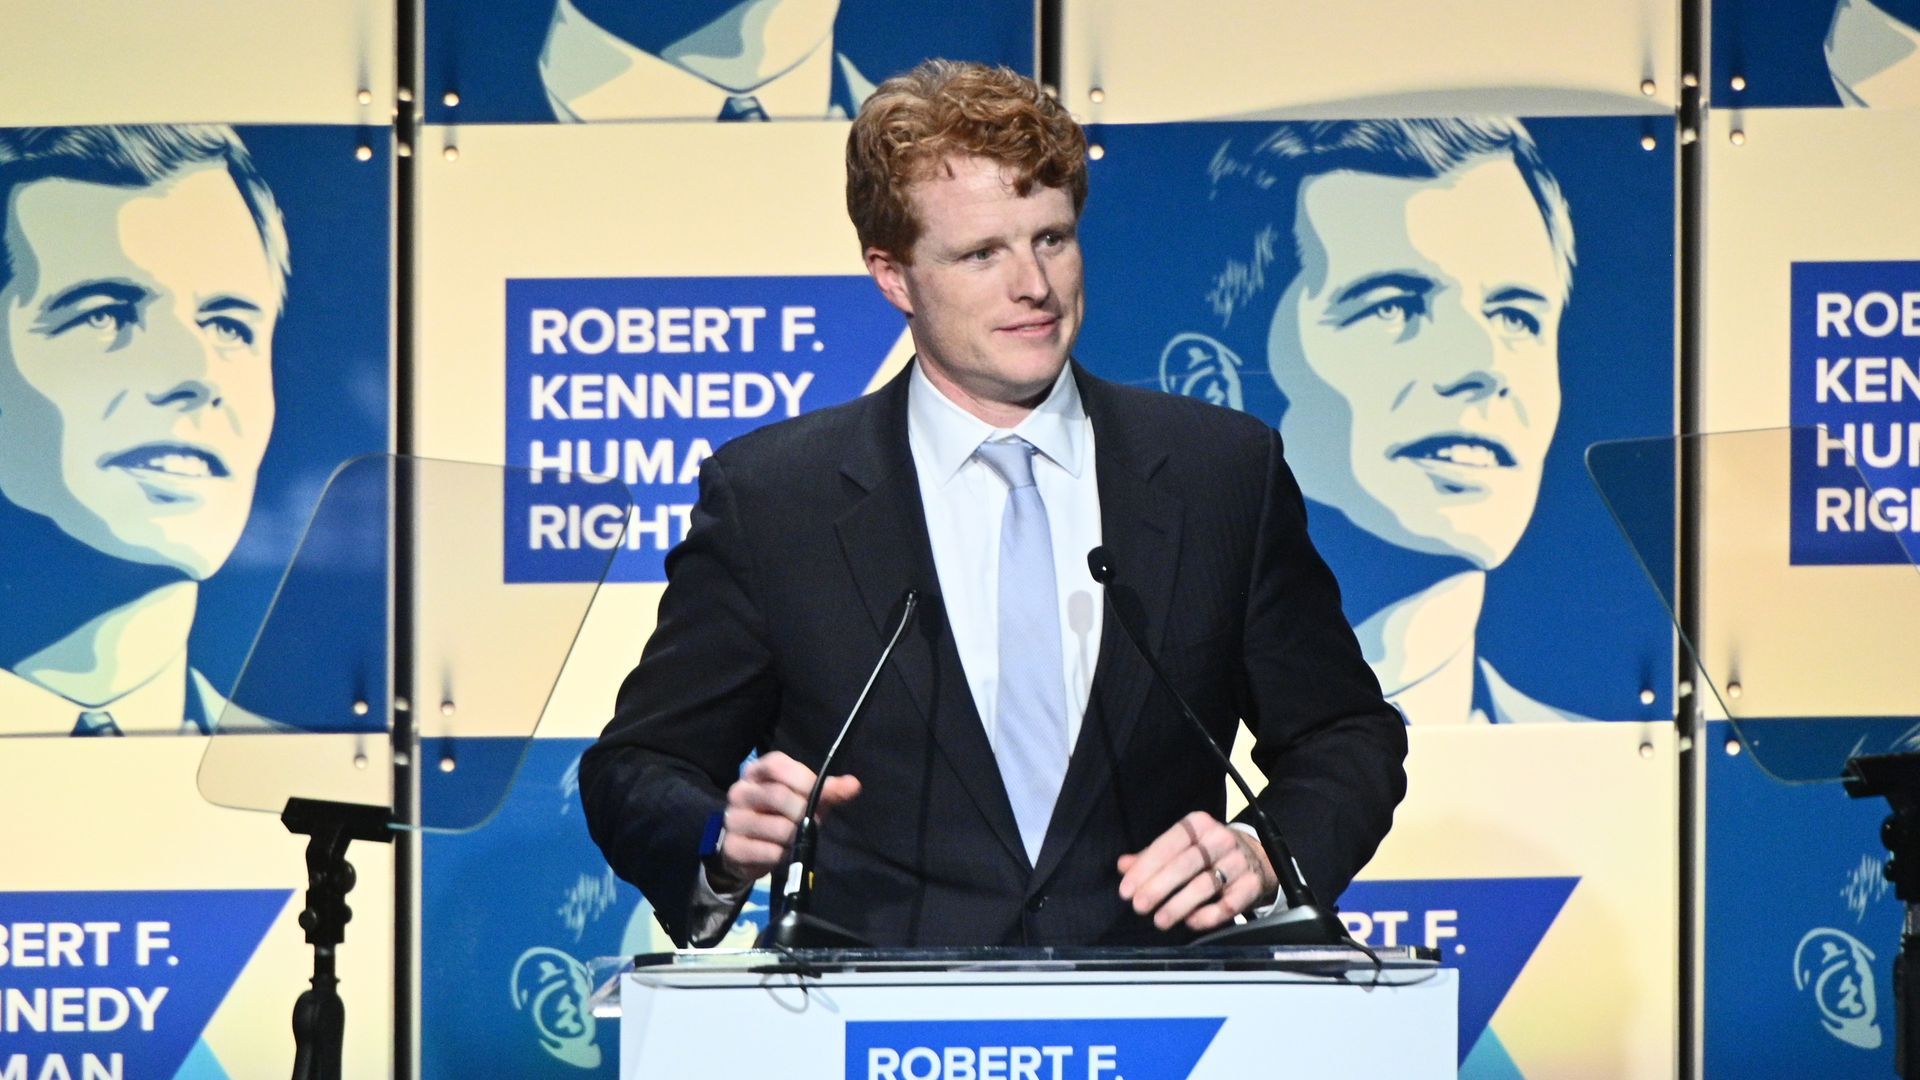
{"type": "Point", "coordinates": [1017, 775]}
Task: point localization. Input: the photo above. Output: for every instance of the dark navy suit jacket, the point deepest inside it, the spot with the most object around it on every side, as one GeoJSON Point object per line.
{"type": "Point", "coordinates": [806, 535]}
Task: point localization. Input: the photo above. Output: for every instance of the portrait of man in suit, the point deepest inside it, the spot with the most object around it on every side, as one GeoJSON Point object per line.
{"type": "Point", "coordinates": [1018, 776]}
{"type": "Point", "coordinates": [698, 60]}
{"type": "Point", "coordinates": [142, 273]}
{"type": "Point", "coordinates": [1404, 281]}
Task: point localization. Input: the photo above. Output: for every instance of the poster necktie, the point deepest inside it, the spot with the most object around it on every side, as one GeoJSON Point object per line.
{"type": "Point", "coordinates": [742, 107]}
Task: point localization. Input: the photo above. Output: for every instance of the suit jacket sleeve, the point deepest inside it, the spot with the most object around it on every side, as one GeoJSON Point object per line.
{"type": "Point", "coordinates": [702, 696]}
{"type": "Point", "coordinates": [1331, 748]}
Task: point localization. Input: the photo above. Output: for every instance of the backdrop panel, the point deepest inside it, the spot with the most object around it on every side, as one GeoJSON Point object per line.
{"type": "Point", "coordinates": [760, 255]}
{"type": "Point", "coordinates": [1437, 358]}
{"type": "Point", "coordinates": [1540, 862]}
{"type": "Point", "coordinates": [173, 418]}
{"type": "Point", "coordinates": [170, 415]}
{"type": "Point", "coordinates": [1812, 239]}
{"type": "Point", "coordinates": [665, 287]}
{"type": "Point", "coordinates": [1239, 59]}
{"type": "Point", "coordinates": [190, 948]}
{"type": "Point", "coordinates": [125, 62]}
{"type": "Point", "coordinates": [1437, 352]}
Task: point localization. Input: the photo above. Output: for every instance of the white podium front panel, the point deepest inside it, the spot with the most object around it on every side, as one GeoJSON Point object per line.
{"type": "Point", "coordinates": [1040, 1025]}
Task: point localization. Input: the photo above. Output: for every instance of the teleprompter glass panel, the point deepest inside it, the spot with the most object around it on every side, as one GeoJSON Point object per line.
{"type": "Point", "coordinates": [404, 549]}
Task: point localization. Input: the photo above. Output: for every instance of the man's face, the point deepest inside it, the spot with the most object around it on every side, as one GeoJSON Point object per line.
{"type": "Point", "coordinates": [1418, 349]}
{"type": "Point", "coordinates": [136, 340]}
{"type": "Point", "coordinates": [993, 295]}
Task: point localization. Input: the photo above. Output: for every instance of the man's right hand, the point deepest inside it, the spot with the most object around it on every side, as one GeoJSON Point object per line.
{"type": "Point", "coordinates": [763, 813]}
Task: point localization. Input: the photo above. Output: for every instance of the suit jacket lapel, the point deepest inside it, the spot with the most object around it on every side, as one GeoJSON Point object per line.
{"type": "Point", "coordinates": [883, 536]}
{"type": "Point", "coordinates": [1140, 528]}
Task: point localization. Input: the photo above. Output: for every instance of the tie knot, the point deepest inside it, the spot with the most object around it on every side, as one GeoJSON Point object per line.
{"type": "Point", "coordinates": [1012, 459]}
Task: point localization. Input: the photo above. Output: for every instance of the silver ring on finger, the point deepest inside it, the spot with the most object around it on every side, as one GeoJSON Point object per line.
{"type": "Point", "coordinates": [1220, 878]}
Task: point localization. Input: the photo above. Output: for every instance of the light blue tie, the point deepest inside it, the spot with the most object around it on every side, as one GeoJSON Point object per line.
{"type": "Point", "coordinates": [1030, 729]}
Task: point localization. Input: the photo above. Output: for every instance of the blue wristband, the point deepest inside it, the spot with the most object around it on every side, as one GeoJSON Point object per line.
{"type": "Point", "coordinates": [715, 834]}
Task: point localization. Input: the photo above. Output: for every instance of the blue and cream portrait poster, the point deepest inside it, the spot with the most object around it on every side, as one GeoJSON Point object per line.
{"type": "Point", "coordinates": [1852, 53]}
{"type": "Point", "coordinates": [591, 61]}
{"type": "Point", "coordinates": [196, 335]}
{"type": "Point", "coordinates": [1439, 316]}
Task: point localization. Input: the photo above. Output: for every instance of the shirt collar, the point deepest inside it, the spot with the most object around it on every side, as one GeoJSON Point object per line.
{"type": "Point", "coordinates": [1056, 427]}
{"type": "Point", "coordinates": [591, 75]}
{"type": "Point", "coordinates": [157, 706]}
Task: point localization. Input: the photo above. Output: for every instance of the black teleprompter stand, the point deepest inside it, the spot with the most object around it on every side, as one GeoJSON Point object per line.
{"type": "Point", "coordinates": [1896, 778]}
{"type": "Point", "coordinates": [319, 1017]}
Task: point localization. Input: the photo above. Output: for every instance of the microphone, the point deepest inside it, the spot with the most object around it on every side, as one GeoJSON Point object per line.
{"type": "Point", "coordinates": [789, 924]}
{"type": "Point", "coordinates": [1303, 921]}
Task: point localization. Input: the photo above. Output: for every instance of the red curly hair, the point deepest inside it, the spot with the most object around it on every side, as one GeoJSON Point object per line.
{"type": "Point", "coordinates": [915, 122]}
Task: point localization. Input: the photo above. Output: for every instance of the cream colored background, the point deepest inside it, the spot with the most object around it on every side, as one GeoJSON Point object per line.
{"type": "Point", "coordinates": [1599, 802]}
{"type": "Point", "coordinates": [1157, 61]}
{"type": "Point", "coordinates": [1807, 185]}
{"type": "Point", "coordinates": [184, 61]}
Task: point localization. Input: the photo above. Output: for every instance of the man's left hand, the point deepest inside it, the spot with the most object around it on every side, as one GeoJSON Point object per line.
{"type": "Point", "coordinates": [1200, 872]}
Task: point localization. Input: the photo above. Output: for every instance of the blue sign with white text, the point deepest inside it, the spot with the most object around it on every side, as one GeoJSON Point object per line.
{"type": "Point", "coordinates": [1504, 920]}
{"type": "Point", "coordinates": [1856, 375]}
{"type": "Point", "coordinates": [119, 983]}
{"type": "Point", "coordinates": [1137, 1048]}
{"type": "Point", "coordinates": [640, 379]}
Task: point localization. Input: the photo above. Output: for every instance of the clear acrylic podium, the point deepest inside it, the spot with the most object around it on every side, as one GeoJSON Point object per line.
{"type": "Point", "coordinates": [1035, 1013]}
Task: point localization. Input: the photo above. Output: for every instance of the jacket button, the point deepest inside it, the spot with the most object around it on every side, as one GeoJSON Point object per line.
{"type": "Point", "coordinates": [1037, 902]}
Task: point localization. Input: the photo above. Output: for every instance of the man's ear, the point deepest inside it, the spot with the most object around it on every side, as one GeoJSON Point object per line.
{"type": "Point", "coordinates": [890, 276]}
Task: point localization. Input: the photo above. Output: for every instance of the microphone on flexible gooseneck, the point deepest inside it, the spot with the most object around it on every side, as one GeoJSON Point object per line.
{"type": "Point", "coordinates": [789, 924]}
{"type": "Point", "coordinates": [1303, 921]}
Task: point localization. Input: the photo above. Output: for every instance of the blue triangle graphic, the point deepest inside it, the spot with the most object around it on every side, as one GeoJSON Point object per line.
{"type": "Point", "coordinates": [201, 1064]}
{"type": "Point", "coordinates": [1490, 1060]}
{"type": "Point", "coordinates": [1495, 924]}
{"type": "Point", "coordinates": [145, 970]}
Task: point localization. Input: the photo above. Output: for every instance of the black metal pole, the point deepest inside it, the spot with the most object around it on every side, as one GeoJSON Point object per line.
{"type": "Point", "coordinates": [319, 1016]}
{"type": "Point", "coordinates": [1896, 778]}
{"type": "Point", "coordinates": [1047, 38]}
{"type": "Point", "coordinates": [408, 44]}
{"type": "Point", "coordinates": [1690, 334]}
